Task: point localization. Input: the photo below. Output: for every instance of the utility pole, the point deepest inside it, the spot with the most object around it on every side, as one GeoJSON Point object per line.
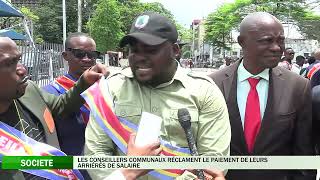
{"type": "Point", "coordinates": [64, 27]}
{"type": "Point", "coordinates": [193, 42]}
{"type": "Point", "coordinates": [79, 15]}
{"type": "Point", "coordinates": [64, 20]}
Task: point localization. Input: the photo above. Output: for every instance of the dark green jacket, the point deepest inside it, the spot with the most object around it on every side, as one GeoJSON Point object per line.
{"type": "Point", "coordinates": [40, 104]}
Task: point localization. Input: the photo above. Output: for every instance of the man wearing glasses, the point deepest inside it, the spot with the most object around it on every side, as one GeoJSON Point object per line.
{"type": "Point", "coordinates": [286, 61]}
{"type": "Point", "coordinates": [80, 53]}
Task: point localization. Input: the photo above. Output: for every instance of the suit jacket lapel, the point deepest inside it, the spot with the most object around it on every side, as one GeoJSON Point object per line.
{"type": "Point", "coordinates": [28, 101]}
{"type": "Point", "coordinates": [274, 98]}
{"type": "Point", "coordinates": [238, 143]}
{"type": "Point", "coordinates": [38, 108]}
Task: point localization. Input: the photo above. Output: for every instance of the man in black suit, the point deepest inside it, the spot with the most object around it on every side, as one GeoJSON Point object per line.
{"type": "Point", "coordinates": [269, 107]}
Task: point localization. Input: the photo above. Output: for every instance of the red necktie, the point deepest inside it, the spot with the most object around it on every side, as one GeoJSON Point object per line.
{"type": "Point", "coordinates": [252, 118]}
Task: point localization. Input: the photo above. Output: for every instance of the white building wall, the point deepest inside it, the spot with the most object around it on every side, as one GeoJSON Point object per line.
{"type": "Point", "coordinates": [302, 47]}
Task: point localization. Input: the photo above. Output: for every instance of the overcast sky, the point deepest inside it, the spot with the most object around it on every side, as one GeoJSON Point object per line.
{"type": "Point", "coordinates": [187, 10]}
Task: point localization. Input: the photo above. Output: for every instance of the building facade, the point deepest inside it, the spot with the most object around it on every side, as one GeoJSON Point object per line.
{"type": "Point", "coordinates": [202, 51]}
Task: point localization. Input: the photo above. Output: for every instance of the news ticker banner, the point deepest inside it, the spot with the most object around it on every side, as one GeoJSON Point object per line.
{"type": "Point", "coordinates": [160, 162]}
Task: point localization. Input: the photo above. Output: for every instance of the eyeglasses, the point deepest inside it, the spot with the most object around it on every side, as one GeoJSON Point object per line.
{"type": "Point", "coordinates": [291, 53]}
{"type": "Point", "coordinates": [79, 53]}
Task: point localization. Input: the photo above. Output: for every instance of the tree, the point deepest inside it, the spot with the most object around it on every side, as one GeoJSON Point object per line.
{"type": "Point", "coordinates": [296, 12]}
{"type": "Point", "coordinates": [105, 21]}
{"type": "Point", "coordinates": [159, 8]}
{"type": "Point", "coordinates": [130, 9]}
{"type": "Point", "coordinates": [310, 27]}
{"type": "Point", "coordinates": [31, 18]}
{"type": "Point", "coordinates": [16, 23]}
{"type": "Point", "coordinates": [111, 20]}
{"type": "Point", "coordinates": [29, 14]}
{"type": "Point", "coordinates": [220, 23]}
{"type": "Point", "coordinates": [185, 35]}
{"type": "Point", "coordinates": [105, 26]}
{"type": "Point", "coordinates": [50, 18]}
{"type": "Point", "coordinates": [49, 25]}
{"type": "Point", "coordinates": [6, 22]}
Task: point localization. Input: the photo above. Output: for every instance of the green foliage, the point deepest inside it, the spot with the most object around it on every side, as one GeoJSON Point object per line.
{"type": "Point", "coordinates": [130, 9]}
{"type": "Point", "coordinates": [112, 20]}
{"type": "Point", "coordinates": [186, 54]}
{"type": "Point", "coordinates": [29, 14]}
{"type": "Point", "coordinates": [50, 18]}
{"type": "Point", "coordinates": [220, 23]}
{"type": "Point", "coordinates": [6, 22]}
{"type": "Point", "coordinates": [49, 25]}
{"type": "Point", "coordinates": [159, 8]}
{"type": "Point", "coordinates": [16, 22]}
{"type": "Point", "coordinates": [185, 34]}
{"type": "Point", "coordinates": [39, 40]}
{"type": "Point", "coordinates": [106, 20]}
{"type": "Point", "coordinates": [105, 26]}
{"type": "Point", "coordinates": [310, 26]}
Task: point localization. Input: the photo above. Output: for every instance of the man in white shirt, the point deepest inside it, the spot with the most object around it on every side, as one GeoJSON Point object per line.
{"type": "Point", "coordinates": [286, 61]}
{"type": "Point", "coordinates": [227, 62]}
{"type": "Point", "coordinates": [298, 65]}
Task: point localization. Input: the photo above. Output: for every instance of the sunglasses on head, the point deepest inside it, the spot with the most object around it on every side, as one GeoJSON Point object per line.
{"type": "Point", "coordinates": [79, 53]}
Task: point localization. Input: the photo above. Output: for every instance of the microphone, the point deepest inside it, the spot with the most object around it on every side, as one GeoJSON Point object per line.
{"type": "Point", "coordinates": [184, 120]}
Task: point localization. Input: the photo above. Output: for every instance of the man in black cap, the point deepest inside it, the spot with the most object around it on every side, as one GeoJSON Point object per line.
{"type": "Point", "coordinates": [155, 83]}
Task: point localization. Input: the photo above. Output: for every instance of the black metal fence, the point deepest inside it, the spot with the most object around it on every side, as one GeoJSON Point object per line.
{"type": "Point", "coordinates": [44, 62]}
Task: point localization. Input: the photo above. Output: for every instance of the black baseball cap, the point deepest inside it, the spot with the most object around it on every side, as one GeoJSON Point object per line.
{"type": "Point", "coordinates": [152, 29]}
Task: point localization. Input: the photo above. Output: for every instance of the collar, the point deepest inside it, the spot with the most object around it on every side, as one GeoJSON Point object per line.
{"type": "Point", "coordinates": [296, 65]}
{"type": "Point", "coordinates": [243, 74]}
{"type": "Point", "coordinates": [180, 75]}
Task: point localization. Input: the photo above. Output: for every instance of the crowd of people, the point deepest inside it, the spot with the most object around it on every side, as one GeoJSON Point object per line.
{"type": "Point", "coordinates": [262, 104]}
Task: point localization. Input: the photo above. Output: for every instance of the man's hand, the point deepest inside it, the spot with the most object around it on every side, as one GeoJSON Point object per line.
{"type": "Point", "coordinates": [152, 149]}
{"type": "Point", "coordinates": [93, 74]}
{"type": "Point", "coordinates": [134, 150]}
{"type": "Point", "coordinates": [213, 174]}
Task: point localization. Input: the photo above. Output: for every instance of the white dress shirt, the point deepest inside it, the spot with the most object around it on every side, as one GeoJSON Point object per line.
{"type": "Point", "coordinates": [243, 88]}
